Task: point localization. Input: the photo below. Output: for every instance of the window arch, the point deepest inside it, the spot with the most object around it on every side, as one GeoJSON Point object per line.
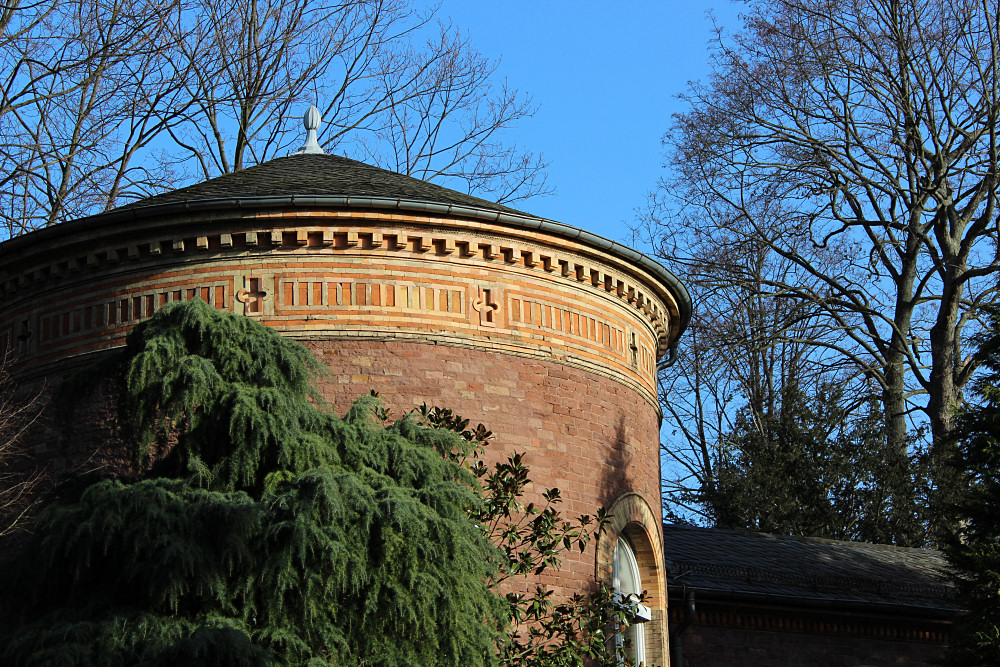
{"type": "Point", "coordinates": [633, 519]}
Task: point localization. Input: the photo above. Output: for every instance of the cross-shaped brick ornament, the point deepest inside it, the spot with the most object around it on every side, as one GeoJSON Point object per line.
{"type": "Point", "coordinates": [252, 296]}
{"type": "Point", "coordinates": [483, 304]}
{"type": "Point", "coordinates": [24, 337]}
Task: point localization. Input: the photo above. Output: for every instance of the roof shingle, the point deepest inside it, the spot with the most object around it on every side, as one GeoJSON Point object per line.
{"type": "Point", "coordinates": [807, 568]}
{"type": "Point", "coordinates": [318, 175]}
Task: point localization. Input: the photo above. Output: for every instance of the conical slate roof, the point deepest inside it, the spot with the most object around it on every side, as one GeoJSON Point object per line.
{"type": "Point", "coordinates": [318, 175]}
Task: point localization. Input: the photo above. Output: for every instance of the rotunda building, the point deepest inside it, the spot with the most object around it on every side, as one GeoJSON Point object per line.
{"type": "Point", "coordinates": [546, 333]}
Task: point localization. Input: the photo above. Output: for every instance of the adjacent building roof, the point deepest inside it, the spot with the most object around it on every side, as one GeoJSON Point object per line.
{"type": "Point", "coordinates": [317, 175]}
{"type": "Point", "coordinates": [797, 570]}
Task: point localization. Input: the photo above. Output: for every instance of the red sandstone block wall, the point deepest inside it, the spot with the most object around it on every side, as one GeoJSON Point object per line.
{"type": "Point", "coordinates": [590, 436]}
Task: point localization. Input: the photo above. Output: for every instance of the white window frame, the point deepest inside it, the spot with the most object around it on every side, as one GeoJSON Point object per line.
{"type": "Point", "coordinates": [627, 583]}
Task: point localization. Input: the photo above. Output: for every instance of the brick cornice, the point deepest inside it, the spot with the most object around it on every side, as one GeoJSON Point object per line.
{"type": "Point", "coordinates": [553, 297]}
{"type": "Point", "coordinates": [84, 251]}
{"type": "Point", "coordinates": [133, 234]}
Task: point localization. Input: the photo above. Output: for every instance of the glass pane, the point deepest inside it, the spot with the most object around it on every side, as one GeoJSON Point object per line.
{"type": "Point", "coordinates": [627, 570]}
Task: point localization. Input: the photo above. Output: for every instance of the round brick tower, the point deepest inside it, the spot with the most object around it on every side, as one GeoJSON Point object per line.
{"type": "Point", "coordinates": [547, 334]}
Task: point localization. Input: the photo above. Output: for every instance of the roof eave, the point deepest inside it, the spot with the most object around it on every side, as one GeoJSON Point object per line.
{"type": "Point", "coordinates": [835, 605]}
{"type": "Point", "coordinates": [133, 213]}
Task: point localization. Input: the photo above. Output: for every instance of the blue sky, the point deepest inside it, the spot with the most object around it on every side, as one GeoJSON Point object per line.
{"type": "Point", "coordinates": [605, 76]}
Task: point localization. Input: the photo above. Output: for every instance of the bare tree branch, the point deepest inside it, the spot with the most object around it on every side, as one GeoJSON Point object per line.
{"type": "Point", "coordinates": [857, 140]}
{"type": "Point", "coordinates": [21, 477]}
{"type": "Point", "coordinates": [106, 101]}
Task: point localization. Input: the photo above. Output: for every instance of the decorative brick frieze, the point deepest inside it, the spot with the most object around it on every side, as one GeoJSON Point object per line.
{"type": "Point", "coordinates": [426, 275]}
{"type": "Point", "coordinates": [588, 271]}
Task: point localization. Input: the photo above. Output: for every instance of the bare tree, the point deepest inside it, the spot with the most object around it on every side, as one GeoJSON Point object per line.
{"type": "Point", "coordinates": [20, 478]}
{"type": "Point", "coordinates": [253, 66]}
{"type": "Point", "coordinates": [431, 111]}
{"type": "Point", "coordinates": [106, 101]}
{"type": "Point", "coordinates": [857, 140]}
{"type": "Point", "coordinates": [766, 428]}
{"type": "Point", "coordinates": [446, 123]}
{"type": "Point", "coordinates": [86, 87]}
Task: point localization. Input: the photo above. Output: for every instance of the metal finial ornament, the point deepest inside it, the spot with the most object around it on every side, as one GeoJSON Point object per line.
{"type": "Point", "coordinates": [311, 120]}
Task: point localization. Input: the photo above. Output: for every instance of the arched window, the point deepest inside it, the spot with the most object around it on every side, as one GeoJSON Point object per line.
{"type": "Point", "coordinates": [628, 587]}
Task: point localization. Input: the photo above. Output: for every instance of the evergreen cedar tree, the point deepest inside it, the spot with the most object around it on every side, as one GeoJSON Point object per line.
{"type": "Point", "coordinates": [267, 531]}
{"type": "Point", "coordinates": [975, 552]}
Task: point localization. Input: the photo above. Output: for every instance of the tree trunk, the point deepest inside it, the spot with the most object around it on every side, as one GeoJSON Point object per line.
{"type": "Point", "coordinates": [902, 515]}
{"type": "Point", "coordinates": [944, 397]}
